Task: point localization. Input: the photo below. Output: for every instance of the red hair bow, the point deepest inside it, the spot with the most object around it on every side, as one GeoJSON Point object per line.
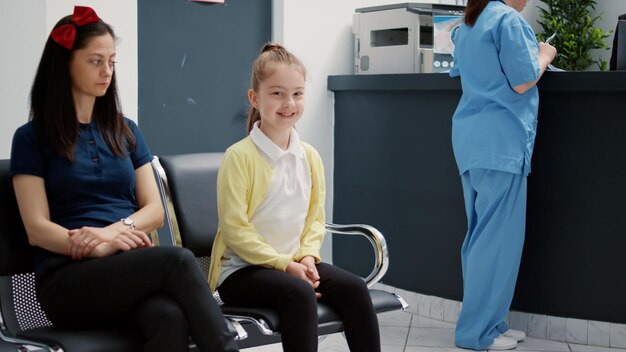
{"type": "Point", "coordinates": [65, 35]}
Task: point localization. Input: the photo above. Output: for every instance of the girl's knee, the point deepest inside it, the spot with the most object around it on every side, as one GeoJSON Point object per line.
{"type": "Point", "coordinates": [352, 285]}
{"type": "Point", "coordinates": [300, 297]}
{"type": "Point", "coordinates": [178, 252]}
{"type": "Point", "coordinates": [300, 303]}
{"type": "Point", "coordinates": [301, 291]}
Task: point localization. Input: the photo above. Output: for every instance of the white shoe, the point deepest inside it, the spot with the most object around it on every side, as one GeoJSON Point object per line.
{"type": "Point", "coordinates": [503, 343]}
{"type": "Point", "coordinates": [516, 335]}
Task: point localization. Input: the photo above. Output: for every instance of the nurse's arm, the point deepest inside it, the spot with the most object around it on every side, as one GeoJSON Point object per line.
{"type": "Point", "coordinates": [547, 53]}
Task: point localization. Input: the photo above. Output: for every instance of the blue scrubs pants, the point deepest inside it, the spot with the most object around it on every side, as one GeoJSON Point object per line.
{"type": "Point", "coordinates": [495, 203]}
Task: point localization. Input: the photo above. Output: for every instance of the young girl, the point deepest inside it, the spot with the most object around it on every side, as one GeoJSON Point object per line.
{"type": "Point", "coordinates": [271, 218]}
{"type": "Point", "coordinates": [493, 133]}
{"type": "Point", "coordinates": [87, 197]}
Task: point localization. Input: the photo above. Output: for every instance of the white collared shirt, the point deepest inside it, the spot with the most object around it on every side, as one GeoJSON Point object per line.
{"type": "Point", "coordinates": [280, 217]}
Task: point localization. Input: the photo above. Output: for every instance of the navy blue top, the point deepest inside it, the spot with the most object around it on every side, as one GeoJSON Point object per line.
{"type": "Point", "coordinates": [97, 189]}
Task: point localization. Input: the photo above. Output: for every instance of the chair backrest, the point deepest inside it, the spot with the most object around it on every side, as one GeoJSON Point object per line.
{"type": "Point", "coordinates": [192, 181]}
{"type": "Point", "coordinates": [16, 254]}
{"type": "Point", "coordinates": [19, 305]}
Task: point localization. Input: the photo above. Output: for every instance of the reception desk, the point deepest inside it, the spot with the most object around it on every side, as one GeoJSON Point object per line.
{"type": "Point", "coordinates": [394, 169]}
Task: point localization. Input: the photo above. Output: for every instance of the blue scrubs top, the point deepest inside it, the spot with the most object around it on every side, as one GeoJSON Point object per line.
{"type": "Point", "coordinates": [494, 127]}
{"type": "Point", "coordinates": [97, 189]}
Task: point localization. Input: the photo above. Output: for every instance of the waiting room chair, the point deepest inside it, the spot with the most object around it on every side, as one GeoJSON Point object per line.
{"type": "Point", "coordinates": [189, 182]}
{"type": "Point", "coordinates": [22, 321]}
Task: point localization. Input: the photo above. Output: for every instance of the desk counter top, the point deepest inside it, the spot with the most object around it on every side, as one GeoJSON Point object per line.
{"type": "Point", "coordinates": [551, 81]}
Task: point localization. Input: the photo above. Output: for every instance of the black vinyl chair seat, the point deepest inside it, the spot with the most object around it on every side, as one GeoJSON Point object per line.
{"type": "Point", "coordinates": [188, 182]}
{"type": "Point", "coordinates": [382, 300]}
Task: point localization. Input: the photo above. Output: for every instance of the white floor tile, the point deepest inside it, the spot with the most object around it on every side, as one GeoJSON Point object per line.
{"type": "Point", "coordinates": [532, 344]}
{"type": "Point", "coordinates": [451, 310]}
{"type": "Point", "coordinates": [431, 337]}
{"type": "Point", "coordinates": [538, 326]}
{"type": "Point", "coordinates": [436, 308]}
{"type": "Point", "coordinates": [424, 306]}
{"type": "Point", "coordinates": [393, 335]}
{"type": "Point", "coordinates": [276, 347]}
{"type": "Point", "coordinates": [396, 318]}
{"type": "Point", "coordinates": [424, 322]}
{"type": "Point", "coordinates": [617, 335]}
{"type": "Point", "coordinates": [557, 329]}
{"type": "Point", "coordinates": [333, 343]}
{"type": "Point", "coordinates": [587, 348]}
{"type": "Point", "coordinates": [576, 331]}
{"type": "Point", "coordinates": [433, 349]}
{"type": "Point", "coordinates": [598, 333]}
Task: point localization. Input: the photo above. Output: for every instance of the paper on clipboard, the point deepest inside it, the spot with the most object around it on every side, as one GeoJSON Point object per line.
{"type": "Point", "coordinates": [554, 68]}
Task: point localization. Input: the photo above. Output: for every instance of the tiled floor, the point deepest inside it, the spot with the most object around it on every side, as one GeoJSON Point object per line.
{"type": "Point", "coordinates": [407, 332]}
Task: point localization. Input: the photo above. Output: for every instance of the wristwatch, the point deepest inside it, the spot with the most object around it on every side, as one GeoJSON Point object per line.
{"type": "Point", "coordinates": [129, 222]}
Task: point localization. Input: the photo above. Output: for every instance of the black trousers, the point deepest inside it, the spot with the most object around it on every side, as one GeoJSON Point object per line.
{"type": "Point", "coordinates": [162, 290]}
{"type": "Point", "coordinates": [295, 300]}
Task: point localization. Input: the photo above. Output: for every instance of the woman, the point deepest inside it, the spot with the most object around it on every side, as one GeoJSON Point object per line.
{"type": "Point", "coordinates": [87, 197]}
{"type": "Point", "coordinates": [493, 133]}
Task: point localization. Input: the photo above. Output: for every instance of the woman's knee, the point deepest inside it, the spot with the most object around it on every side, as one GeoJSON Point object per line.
{"type": "Point", "coordinates": [175, 252]}
{"type": "Point", "coordinates": [178, 256]}
{"type": "Point", "coordinates": [170, 314]}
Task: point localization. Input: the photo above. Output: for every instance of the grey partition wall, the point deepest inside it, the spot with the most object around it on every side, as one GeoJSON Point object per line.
{"type": "Point", "coordinates": [194, 67]}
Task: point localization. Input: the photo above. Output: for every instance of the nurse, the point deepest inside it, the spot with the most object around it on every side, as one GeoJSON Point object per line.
{"type": "Point", "coordinates": [493, 134]}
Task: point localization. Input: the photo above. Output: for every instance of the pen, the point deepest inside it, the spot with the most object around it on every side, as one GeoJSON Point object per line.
{"type": "Point", "coordinates": [550, 38]}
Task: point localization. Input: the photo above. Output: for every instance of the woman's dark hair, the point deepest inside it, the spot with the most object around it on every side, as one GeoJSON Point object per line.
{"type": "Point", "coordinates": [271, 55]}
{"type": "Point", "coordinates": [52, 107]}
{"type": "Point", "coordinates": [473, 9]}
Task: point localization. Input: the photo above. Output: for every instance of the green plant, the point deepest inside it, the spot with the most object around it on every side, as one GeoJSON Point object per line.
{"type": "Point", "coordinates": [573, 22]}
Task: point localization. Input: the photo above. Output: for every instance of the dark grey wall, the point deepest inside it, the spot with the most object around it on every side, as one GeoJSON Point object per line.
{"type": "Point", "coordinates": [395, 170]}
{"type": "Point", "coordinates": [194, 67]}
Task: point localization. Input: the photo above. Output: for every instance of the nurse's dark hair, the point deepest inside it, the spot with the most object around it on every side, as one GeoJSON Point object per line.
{"type": "Point", "coordinates": [52, 109]}
{"type": "Point", "coordinates": [473, 9]}
{"type": "Point", "coordinates": [264, 65]}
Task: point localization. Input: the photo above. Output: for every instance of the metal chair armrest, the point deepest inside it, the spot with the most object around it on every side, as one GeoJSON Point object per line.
{"type": "Point", "coordinates": [258, 323]}
{"type": "Point", "coordinates": [378, 242]}
{"type": "Point", "coordinates": [241, 333]}
{"type": "Point", "coordinates": [166, 199]}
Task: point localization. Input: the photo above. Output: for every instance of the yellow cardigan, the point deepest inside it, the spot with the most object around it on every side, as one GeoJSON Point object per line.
{"type": "Point", "coordinates": [242, 183]}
